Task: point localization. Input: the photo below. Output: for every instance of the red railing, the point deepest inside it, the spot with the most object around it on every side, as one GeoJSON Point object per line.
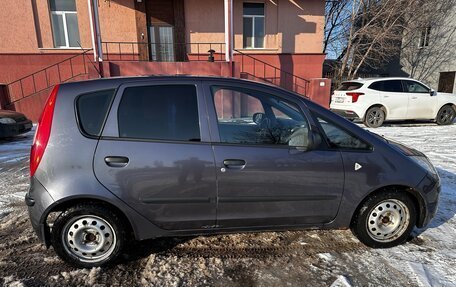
{"type": "Point", "coordinates": [251, 67]}
{"type": "Point", "coordinates": [72, 68]}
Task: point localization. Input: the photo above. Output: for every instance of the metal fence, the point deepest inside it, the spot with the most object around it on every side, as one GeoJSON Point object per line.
{"type": "Point", "coordinates": [163, 52]}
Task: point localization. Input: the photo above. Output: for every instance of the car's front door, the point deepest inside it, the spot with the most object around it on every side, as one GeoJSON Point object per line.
{"type": "Point", "coordinates": [421, 104]}
{"type": "Point", "coordinates": [266, 173]}
{"type": "Point", "coordinates": [155, 154]}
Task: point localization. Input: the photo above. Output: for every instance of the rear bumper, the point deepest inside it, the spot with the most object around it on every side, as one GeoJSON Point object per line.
{"type": "Point", "coordinates": [346, 114]}
{"type": "Point", "coordinates": [38, 200]}
{"type": "Point", "coordinates": [9, 130]}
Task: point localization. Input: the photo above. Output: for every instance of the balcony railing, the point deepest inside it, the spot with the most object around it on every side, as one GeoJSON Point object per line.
{"type": "Point", "coordinates": [163, 52]}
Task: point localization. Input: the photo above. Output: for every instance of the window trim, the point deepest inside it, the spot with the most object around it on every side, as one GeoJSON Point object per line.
{"type": "Point", "coordinates": [254, 17]}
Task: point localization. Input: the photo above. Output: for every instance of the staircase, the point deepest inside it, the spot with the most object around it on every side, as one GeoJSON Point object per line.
{"type": "Point", "coordinates": [258, 70]}
{"type": "Point", "coordinates": [28, 94]}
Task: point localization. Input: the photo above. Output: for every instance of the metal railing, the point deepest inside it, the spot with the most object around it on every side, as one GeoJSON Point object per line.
{"type": "Point", "coordinates": [63, 71]}
{"type": "Point", "coordinates": [256, 69]}
{"type": "Point", "coordinates": [163, 52]}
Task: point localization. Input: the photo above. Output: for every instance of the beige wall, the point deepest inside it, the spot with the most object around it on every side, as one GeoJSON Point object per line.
{"type": "Point", "coordinates": [21, 32]}
{"type": "Point", "coordinates": [292, 26]}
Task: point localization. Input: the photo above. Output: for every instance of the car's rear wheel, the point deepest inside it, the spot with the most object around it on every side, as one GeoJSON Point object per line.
{"type": "Point", "coordinates": [374, 117]}
{"type": "Point", "coordinates": [88, 235]}
{"type": "Point", "coordinates": [446, 115]}
{"type": "Point", "coordinates": [385, 219]}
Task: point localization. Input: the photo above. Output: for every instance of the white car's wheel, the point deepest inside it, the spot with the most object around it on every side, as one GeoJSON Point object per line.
{"type": "Point", "coordinates": [375, 117]}
{"type": "Point", "coordinates": [446, 115]}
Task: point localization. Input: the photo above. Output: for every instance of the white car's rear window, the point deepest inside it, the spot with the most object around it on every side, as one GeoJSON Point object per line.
{"type": "Point", "coordinates": [349, 86]}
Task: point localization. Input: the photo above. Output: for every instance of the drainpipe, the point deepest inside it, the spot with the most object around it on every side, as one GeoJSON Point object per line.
{"type": "Point", "coordinates": [96, 35]}
{"type": "Point", "coordinates": [228, 9]}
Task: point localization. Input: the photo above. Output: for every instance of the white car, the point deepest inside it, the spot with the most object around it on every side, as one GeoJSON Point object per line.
{"type": "Point", "coordinates": [386, 99]}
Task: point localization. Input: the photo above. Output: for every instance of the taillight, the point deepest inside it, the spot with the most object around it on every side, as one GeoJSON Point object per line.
{"type": "Point", "coordinates": [354, 96]}
{"type": "Point", "coordinates": [43, 131]}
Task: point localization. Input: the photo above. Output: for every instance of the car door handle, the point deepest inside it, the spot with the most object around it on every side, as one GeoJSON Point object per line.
{"type": "Point", "coordinates": [414, 98]}
{"type": "Point", "coordinates": [116, 161]}
{"type": "Point", "coordinates": [234, 163]}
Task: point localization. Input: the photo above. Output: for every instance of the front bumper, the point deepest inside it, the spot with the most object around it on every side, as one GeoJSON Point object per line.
{"type": "Point", "coordinates": [38, 200]}
{"type": "Point", "coordinates": [9, 130]}
{"type": "Point", "coordinates": [430, 191]}
{"type": "Point", "coordinates": [351, 115]}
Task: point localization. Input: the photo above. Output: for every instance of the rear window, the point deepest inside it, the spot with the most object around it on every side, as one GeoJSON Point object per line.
{"type": "Point", "coordinates": [159, 112]}
{"type": "Point", "coordinates": [349, 86]}
{"type": "Point", "coordinates": [92, 109]}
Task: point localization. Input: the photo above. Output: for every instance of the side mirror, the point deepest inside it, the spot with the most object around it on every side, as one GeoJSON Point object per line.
{"type": "Point", "coordinates": [433, 93]}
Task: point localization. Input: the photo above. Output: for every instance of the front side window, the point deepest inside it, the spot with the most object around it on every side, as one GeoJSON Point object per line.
{"type": "Point", "coordinates": [246, 116]}
{"type": "Point", "coordinates": [339, 138]}
{"type": "Point", "coordinates": [64, 23]}
{"type": "Point", "coordinates": [253, 23]}
{"type": "Point", "coordinates": [161, 112]}
{"type": "Point", "coordinates": [414, 87]}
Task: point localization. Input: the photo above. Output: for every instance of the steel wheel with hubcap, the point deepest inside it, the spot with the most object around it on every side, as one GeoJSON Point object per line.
{"type": "Point", "coordinates": [385, 219]}
{"type": "Point", "coordinates": [446, 115]}
{"type": "Point", "coordinates": [88, 235]}
{"type": "Point", "coordinates": [375, 117]}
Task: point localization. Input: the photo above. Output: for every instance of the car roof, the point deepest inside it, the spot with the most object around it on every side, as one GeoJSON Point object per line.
{"type": "Point", "coordinates": [370, 80]}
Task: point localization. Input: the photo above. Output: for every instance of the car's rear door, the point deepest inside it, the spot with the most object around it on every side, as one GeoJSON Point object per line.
{"type": "Point", "coordinates": [393, 97]}
{"type": "Point", "coordinates": [421, 104]}
{"type": "Point", "coordinates": [155, 155]}
{"type": "Point", "coordinates": [265, 174]}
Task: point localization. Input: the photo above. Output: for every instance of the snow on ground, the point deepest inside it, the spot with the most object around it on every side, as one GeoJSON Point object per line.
{"type": "Point", "coordinates": [293, 258]}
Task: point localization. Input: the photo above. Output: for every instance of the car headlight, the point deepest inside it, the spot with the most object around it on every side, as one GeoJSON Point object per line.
{"type": "Point", "coordinates": [425, 163]}
{"type": "Point", "coordinates": [7, 121]}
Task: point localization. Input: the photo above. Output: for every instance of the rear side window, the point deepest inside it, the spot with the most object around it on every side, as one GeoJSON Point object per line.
{"type": "Point", "coordinates": [387, 86]}
{"type": "Point", "coordinates": [349, 86]}
{"type": "Point", "coordinates": [161, 112]}
{"type": "Point", "coordinates": [92, 109]}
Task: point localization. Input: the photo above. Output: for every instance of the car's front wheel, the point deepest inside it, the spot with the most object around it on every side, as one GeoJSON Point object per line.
{"type": "Point", "coordinates": [374, 117]}
{"type": "Point", "coordinates": [88, 235]}
{"type": "Point", "coordinates": [385, 219]}
{"type": "Point", "coordinates": [446, 115]}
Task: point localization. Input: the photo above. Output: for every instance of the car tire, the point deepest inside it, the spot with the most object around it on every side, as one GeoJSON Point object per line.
{"type": "Point", "coordinates": [374, 117]}
{"type": "Point", "coordinates": [385, 219]}
{"type": "Point", "coordinates": [88, 235]}
{"type": "Point", "coordinates": [446, 115]}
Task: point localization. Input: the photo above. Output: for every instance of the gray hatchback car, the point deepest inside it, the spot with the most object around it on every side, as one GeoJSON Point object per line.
{"type": "Point", "coordinates": [124, 159]}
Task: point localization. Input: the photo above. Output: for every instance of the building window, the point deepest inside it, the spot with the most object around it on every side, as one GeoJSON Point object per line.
{"type": "Point", "coordinates": [64, 23]}
{"type": "Point", "coordinates": [424, 37]}
{"type": "Point", "coordinates": [253, 25]}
